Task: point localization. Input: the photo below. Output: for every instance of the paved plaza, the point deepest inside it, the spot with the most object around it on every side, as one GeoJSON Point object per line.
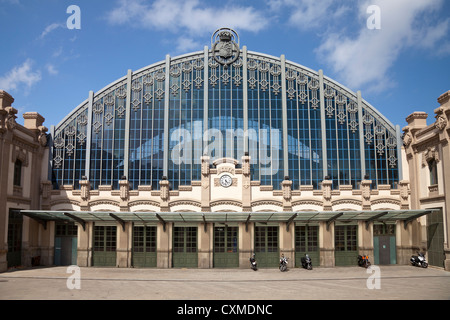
{"type": "Point", "coordinates": [341, 283]}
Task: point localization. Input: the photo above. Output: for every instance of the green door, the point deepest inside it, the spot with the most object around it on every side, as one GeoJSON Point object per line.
{"type": "Point", "coordinates": [384, 248]}
{"type": "Point", "coordinates": [226, 242]}
{"type": "Point", "coordinates": [14, 255]}
{"type": "Point", "coordinates": [105, 238]}
{"type": "Point", "coordinates": [307, 242]}
{"type": "Point", "coordinates": [346, 245]}
{"type": "Point", "coordinates": [435, 239]}
{"type": "Point", "coordinates": [185, 247]}
{"type": "Point", "coordinates": [144, 246]}
{"type": "Point", "coordinates": [65, 244]}
{"type": "Point", "coordinates": [266, 246]}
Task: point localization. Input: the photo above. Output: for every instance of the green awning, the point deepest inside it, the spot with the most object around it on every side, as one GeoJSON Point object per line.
{"type": "Point", "coordinates": [227, 217]}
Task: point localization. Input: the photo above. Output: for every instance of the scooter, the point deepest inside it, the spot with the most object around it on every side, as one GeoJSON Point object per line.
{"type": "Point", "coordinates": [253, 263]}
{"type": "Point", "coordinates": [419, 260]}
{"type": "Point", "coordinates": [363, 261]}
{"type": "Point", "coordinates": [283, 263]}
{"type": "Point", "coordinates": [306, 262]}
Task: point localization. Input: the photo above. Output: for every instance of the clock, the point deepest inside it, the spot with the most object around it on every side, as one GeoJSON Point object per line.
{"type": "Point", "coordinates": [226, 181]}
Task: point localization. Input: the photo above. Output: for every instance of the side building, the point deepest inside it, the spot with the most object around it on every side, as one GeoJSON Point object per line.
{"type": "Point", "coordinates": [24, 160]}
{"type": "Point", "coordinates": [428, 160]}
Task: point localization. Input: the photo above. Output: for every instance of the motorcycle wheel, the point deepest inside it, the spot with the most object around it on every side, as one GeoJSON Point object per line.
{"type": "Point", "coordinates": [310, 267]}
{"type": "Point", "coordinates": [424, 265]}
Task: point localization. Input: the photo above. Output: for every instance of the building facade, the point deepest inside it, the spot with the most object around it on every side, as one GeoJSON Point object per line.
{"type": "Point", "coordinates": [204, 159]}
{"type": "Point", "coordinates": [23, 163]}
{"type": "Point", "coordinates": [428, 158]}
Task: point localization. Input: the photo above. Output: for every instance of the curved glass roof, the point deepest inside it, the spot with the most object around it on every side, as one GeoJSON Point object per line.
{"type": "Point", "coordinates": [159, 120]}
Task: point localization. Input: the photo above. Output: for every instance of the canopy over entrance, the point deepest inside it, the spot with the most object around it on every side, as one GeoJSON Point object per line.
{"type": "Point", "coordinates": [227, 217]}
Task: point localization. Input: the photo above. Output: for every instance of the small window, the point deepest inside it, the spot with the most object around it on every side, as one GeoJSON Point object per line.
{"type": "Point", "coordinates": [17, 172]}
{"type": "Point", "coordinates": [432, 165]}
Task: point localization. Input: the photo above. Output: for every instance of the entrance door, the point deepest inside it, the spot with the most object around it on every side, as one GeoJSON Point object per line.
{"type": "Point", "coordinates": [435, 239]}
{"type": "Point", "coordinates": [384, 249]}
{"type": "Point", "coordinates": [185, 247]}
{"type": "Point", "coordinates": [66, 244]}
{"type": "Point", "coordinates": [14, 255]}
{"type": "Point", "coordinates": [144, 246]}
{"type": "Point", "coordinates": [266, 246]}
{"type": "Point", "coordinates": [226, 241]}
{"type": "Point", "coordinates": [307, 242]}
{"type": "Point", "coordinates": [105, 238]}
{"type": "Point", "coordinates": [346, 245]}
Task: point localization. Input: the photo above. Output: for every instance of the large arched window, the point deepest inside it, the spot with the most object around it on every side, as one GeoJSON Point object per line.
{"type": "Point", "coordinates": [153, 123]}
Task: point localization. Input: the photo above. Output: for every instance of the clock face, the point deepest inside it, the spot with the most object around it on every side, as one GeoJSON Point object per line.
{"type": "Point", "coordinates": [225, 181]}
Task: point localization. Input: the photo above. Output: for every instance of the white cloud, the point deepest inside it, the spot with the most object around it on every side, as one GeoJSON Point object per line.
{"type": "Point", "coordinates": [366, 59]}
{"type": "Point", "coordinates": [49, 29]}
{"type": "Point", "coordinates": [186, 16]}
{"type": "Point", "coordinates": [51, 69]}
{"type": "Point", "coordinates": [309, 14]}
{"type": "Point", "coordinates": [20, 75]}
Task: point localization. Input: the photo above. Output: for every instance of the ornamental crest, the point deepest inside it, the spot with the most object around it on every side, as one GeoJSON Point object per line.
{"type": "Point", "coordinates": [225, 46]}
{"type": "Point", "coordinates": [440, 123]}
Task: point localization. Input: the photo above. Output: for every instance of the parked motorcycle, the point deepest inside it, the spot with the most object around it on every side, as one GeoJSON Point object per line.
{"type": "Point", "coordinates": [419, 260]}
{"type": "Point", "coordinates": [253, 263]}
{"type": "Point", "coordinates": [363, 261]}
{"type": "Point", "coordinates": [283, 263]}
{"type": "Point", "coordinates": [306, 262]}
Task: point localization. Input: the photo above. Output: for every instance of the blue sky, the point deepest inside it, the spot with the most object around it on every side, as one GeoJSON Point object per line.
{"type": "Point", "coordinates": [401, 68]}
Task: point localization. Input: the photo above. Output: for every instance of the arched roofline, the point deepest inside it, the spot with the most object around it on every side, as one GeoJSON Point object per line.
{"type": "Point", "coordinates": [196, 53]}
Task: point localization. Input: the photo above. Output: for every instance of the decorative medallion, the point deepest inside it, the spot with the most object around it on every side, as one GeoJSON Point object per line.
{"type": "Point", "coordinates": [224, 47]}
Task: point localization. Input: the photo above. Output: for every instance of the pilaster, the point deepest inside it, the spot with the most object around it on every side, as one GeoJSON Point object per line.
{"type": "Point", "coordinates": [206, 188]}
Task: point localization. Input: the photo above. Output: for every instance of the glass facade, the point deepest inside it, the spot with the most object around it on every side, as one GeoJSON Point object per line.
{"type": "Point", "coordinates": [158, 122]}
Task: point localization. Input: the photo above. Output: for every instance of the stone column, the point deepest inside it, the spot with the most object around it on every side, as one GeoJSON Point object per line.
{"type": "Point", "coordinates": [85, 244]}
{"type": "Point", "coordinates": [365, 239]}
{"type": "Point", "coordinates": [164, 243]}
{"type": "Point", "coordinates": [246, 244]}
{"type": "Point", "coordinates": [365, 194]}
{"type": "Point", "coordinates": [326, 244]}
{"type": "Point", "coordinates": [124, 187]}
{"type": "Point", "coordinates": [206, 188]}
{"type": "Point", "coordinates": [287, 242]}
{"type": "Point", "coordinates": [164, 186]}
{"type": "Point", "coordinates": [85, 187]}
{"type": "Point", "coordinates": [205, 245]}
{"type": "Point", "coordinates": [326, 189]}
{"type": "Point", "coordinates": [246, 185]}
{"type": "Point", "coordinates": [124, 245]}
{"type": "Point", "coordinates": [404, 194]}
{"type": "Point", "coordinates": [286, 186]}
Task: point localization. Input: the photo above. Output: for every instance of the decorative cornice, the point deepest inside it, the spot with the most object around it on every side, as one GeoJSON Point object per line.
{"type": "Point", "coordinates": [64, 201]}
{"type": "Point", "coordinates": [346, 201]}
{"type": "Point", "coordinates": [143, 202]}
{"type": "Point", "coordinates": [267, 202]}
{"type": "Point", "coordinates": [104, 201]}
{"type": "Point", "coordinates": [225, 202]}
{"type": "Point", "coordinates": [386, 200]}
{"type": "Point", "coordinates": [185, 202]}
{"type": "Point", "coordinates": [307, 202]}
